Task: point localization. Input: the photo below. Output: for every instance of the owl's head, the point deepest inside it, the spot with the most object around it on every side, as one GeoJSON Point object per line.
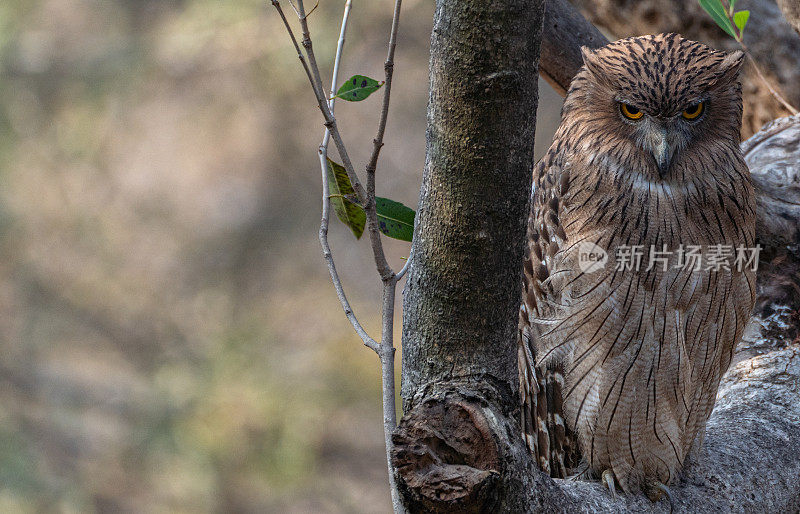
{"type": "Point", "coordinates": [660, 98]}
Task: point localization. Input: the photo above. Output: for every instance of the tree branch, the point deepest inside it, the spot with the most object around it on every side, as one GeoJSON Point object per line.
{"type": "Point", "coordinates": [385, 271]}
{"type": "Point", "coordinates": [385, 349]}
{"type": "Point", "coordinates": [326, 202]}
{"type": "Point", "coordinates": [458, 448]}
{"type": "Point", "coordinates": [563, 34]}
{"type": "Point", "coordinates": [374, 234]}
{"type": "Point", "coordinates": [312, 72]}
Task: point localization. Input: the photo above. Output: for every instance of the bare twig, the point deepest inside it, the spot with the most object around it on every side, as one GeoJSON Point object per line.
{"type": "Point", "coordinates": [313, 9]}
{"type": "Point", "coordinates": [312, 60]}
{"type": "Point", "coordinates": [405, 266]}
{"type": "Point", "coordinates": [337, 283]}
{"type": "Point", "coordinates": [312, 72]}
{"type": "Point", "coordinates": [323, 230]}
{"type": "Point", "coordinates": [300, 55]}
{"type": "Point", "coordinates": [777, 95]}
{"type": "Point", "coordinates": [293, 7]}
{"type": "Point", "coordinates": [330, 121]}
{"type": "Point", "coordinates": [388, 276]}
{"type": "Point", "coordinates": [387, 353]}
{"type": "Point", "coordinates": [326, 204]}
{"type": "Point", "coordinates": [380, 259]}
{"type": "Point", "coordinates": [323, 149]}
{"type": "Point", "coordinates": [739, 37]}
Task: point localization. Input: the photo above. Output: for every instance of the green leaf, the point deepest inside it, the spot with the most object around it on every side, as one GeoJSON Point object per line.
{"type": "Point", "coordinates": [733, 3]}
{"type": "Point", "coordinates": [343, 199]}
{"type": "Point", "coordinates": [395, 219]}
{"type": "Point", "coordinates": [357, 88]}
{"type": "Point", "coordinates": [740, 19]}
{"type": "Point", "coordinates": [717, 13]}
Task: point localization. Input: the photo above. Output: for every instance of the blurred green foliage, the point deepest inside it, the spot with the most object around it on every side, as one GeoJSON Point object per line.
{"type": "Point", "coordinates": [151, 362]}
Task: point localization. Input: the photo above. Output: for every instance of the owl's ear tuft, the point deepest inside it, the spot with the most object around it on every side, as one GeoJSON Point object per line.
{"type": "Point", "coordinates": [592, 63]}
{"type": "Point", "coordinates": [586, 53]}
{"type": "Point", "coordinates": [730, 67]}
{"type": "Point", "coordinates": [589, 58]}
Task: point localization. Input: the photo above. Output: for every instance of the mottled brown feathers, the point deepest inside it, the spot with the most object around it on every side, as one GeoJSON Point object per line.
{"type": "Point", "coordinates": [620, 368]}
{"type": "Point", "coordinates": [642, 70]}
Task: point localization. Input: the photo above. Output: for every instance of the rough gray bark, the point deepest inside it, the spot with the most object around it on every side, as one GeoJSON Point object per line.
{"type": "Point", "coordinates": [774, 43]}
{"type": "Point", "coordinates": [776, 186]}
{"type": "Point", "coordinates": [773, 156]}
{"type": "Point", "coordinates": [465, 279]}
{"type": "Point", "coordinates": [458, 446]}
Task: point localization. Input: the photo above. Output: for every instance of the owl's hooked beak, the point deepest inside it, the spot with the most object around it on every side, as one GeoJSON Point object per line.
{"type": "Point", "coordinates": [656, 141]}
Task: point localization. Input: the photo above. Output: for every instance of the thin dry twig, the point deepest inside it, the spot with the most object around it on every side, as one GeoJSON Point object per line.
{"type": "Point", "coordinates": [777, 95]}
{"type": "Point", "coordinates": [313, 9]}
{"type": "Point", "coordinates": [326, 251]}
{"type": "Point", "coordinates": [405, 266]}
{"type": "Point", "coordinates": [388, 276]}
{"type": "Point", "coordinates": [293, 7]}
{"type": "Point", "coordinates": [312, 72]}
{"type": "Point", "coordinates": [289, 30]}
{"type": "Point", "coordinates": [326, 203]}
{"type": "Point", "coordinates": [380, 259]}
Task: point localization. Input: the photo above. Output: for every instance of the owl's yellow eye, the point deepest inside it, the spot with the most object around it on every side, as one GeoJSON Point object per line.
{"type": "Point", "coordinates": [630, 112]}
{"type": "Point", "coordinates": [694, 111]}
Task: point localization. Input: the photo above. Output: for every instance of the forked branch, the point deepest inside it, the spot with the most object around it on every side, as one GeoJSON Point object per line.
{"type": "Point", "coordinates": [385, 349]}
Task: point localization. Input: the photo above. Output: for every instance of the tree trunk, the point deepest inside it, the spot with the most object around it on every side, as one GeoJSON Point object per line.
{"type": "Point", "coordinates": [458, 446]}
{"type": "Point", "coordinates": [461, 299]}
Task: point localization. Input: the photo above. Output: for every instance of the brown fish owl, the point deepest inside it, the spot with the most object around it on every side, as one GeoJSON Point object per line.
{"type": "Point", "coordinates": [621, 356]}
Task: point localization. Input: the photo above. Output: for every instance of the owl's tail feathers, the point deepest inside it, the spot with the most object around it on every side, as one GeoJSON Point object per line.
{"type": "Point", "coordinates": [559, 439]}
{"type": "Point", "coordinates": [534, 405]}
{"type": "Point", "coordinates": [542, 422]}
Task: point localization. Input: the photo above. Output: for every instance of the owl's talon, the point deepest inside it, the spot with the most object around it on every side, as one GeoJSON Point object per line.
{"type": "Point", "coordinates": [656, 490]}
{"type": "Point", "coordinates": [608, 479]}
{"type": "Point", "coordinates": [583, 472]}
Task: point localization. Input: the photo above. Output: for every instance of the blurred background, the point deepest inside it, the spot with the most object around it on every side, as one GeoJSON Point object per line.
{"type": "Point", "coordinates": [169, 337]}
